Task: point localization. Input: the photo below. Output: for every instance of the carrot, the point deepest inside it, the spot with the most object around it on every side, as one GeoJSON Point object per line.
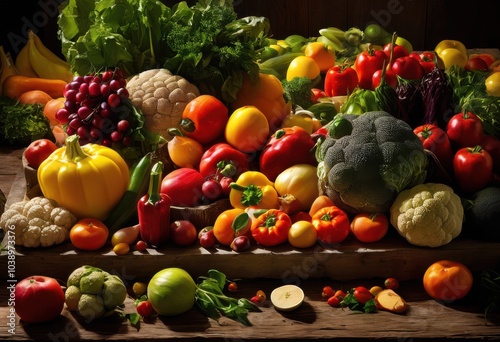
{"type": "Point", "coordinates": [34, 96]}
{"type": "Point", "coordinates": [15, 85]}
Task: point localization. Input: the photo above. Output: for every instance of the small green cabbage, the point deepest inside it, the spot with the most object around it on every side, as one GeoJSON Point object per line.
{"type": "Point", "coordinates": [364, 171]}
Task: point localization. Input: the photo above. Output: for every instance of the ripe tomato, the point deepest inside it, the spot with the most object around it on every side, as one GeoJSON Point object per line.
{"type": "Point", "coordinates": [390, 78]}
{"type": "Point", "coordinates": [89, 234]}
{"type": "Point", "coordinates": [362, 294]}
{"type": "Point", "coordinates": [447, 280]}
{"type": "Point", "coordinates": [183, 186]}
{"type": "Point", "coordinates": [399, 51]}
{"type": "Point", "coordinates": [436, 140]}
{"type": "Point", "coordinates": [473, 167]}
{"type": "Point", "coordinates": [38, 151]}
{"type": "Point", "coordinates": [487, 57]}
{"type": "Point", "coordinates": [38, 299]}
{"type": "Point", "coordinates": [369, 227]}
{"type": "Point", "coordinates": [204, 119]}
{"type": "Point", "coordinates": [321, 53]}
{"type": "Point", "coordinates": [465, 130]}
{"type": "Point", "coordinates": [224, 229]}
{"type": "Point", "coordinates": [247, 129]}
{"type": "Point", "coordinates": [391, 283]}
{"type": "Point", "coordinates": [408, 68]}
{"type": "Point", "coordinates": [144, 308]}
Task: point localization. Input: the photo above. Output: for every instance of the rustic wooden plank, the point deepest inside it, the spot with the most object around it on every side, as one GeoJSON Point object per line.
{"type": "Point", "coordinates": [313, 320]}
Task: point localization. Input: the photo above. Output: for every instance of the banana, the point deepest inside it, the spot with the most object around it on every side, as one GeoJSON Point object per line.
{"type": "Point", "coordinates": [47, 53]}
{"type": "Point", "coordinates": [23, 63]}
{"type": "Point", "coordinates": [8, 68]}
{"type": "Point", "coordinates": [333, 45]}
{"type": "Point", "coordinates": [333, 33]}
{"type": "Point", "coordinates": [47, 67]}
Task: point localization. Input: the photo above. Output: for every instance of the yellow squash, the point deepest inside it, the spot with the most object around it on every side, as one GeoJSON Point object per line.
{"type": "Point", "coordinates": [87, 180]}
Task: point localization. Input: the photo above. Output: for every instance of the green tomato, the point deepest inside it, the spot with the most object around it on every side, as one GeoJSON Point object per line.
{"type": "Point", "coordinates": [171, 291]}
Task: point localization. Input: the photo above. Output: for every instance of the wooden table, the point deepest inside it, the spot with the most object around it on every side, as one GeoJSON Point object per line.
{"type": "Point", "coordinates": [349, 265]}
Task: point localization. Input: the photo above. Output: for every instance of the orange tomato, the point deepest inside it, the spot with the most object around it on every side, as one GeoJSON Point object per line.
{"type": "Point", "coordinates": [447, 280]}
{"type": "Point", "coordinates": [51, 107]}
{"type": "Point", "coordinates": [89, 234]}
{"type": "Point", "coordinates": [321, 201]}
{"type": "Point", "coordinates": [369, 227]}
{"type": "Point", "coordinates": [247, 129]}
{"type": "Point", "coordinates": [322, 54]}
{"type": "Point", "coordinates": [34, 96]}
{"type": "Point", "coordinates": [225, 231]}
{"type": "Point", "coordinates": [487, 57]}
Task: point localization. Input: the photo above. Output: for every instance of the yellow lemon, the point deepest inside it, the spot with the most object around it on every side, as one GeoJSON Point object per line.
{"type": "Point", "coordinates": [493, 84]}
{"type": "Point", "coordinates": [302, 234]}
{"type": "Point", "coordinates": [302, 66]}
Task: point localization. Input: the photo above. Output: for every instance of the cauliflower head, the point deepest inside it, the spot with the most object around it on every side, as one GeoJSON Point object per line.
{"type": "Point", "coordinates": [37, 222]}
{"type": "Point", "coordinates": [428, 215]}
{"type": "Point", "coordinates": [365, 170]}
{"type": "Point", "coordinates": [162, 97]}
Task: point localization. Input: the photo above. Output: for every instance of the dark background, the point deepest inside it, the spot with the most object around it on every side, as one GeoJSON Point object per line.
{"type": "Point", "coordinates": [423, 22]}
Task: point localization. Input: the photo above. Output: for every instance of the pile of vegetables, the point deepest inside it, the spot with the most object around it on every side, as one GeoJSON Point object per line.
{"type": "Point", "coordinates": [206, 43]}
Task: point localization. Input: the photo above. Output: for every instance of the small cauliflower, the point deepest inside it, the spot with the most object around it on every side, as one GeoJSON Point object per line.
{"type": "Point", "coordinates": [37, 222]}
{"type": "Point", "coordinates": [162, 97]}
{"type": "Point", "coordinates": [428, 215]}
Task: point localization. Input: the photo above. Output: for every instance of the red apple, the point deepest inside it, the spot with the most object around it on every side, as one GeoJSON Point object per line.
{"type": "Point", "coordinates": [183, 233]}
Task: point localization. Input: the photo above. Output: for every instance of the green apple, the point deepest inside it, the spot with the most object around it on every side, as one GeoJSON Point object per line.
{"type": "Point", "coordinates": [405, 43]}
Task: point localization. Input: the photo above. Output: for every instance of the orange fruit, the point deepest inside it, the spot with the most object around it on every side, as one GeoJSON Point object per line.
{"type": "Point", "coordinates": [322, 54]}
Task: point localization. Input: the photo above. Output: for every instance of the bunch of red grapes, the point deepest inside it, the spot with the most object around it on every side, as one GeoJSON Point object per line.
{"type": "Point", "coordinates": [96, 110]}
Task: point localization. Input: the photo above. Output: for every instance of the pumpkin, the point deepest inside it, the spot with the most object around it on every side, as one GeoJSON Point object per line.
{"type": "Point", "coordinates": [87, 180]}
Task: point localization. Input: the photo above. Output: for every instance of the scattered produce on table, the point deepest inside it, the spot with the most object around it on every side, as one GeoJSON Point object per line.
{"type": "Point", "coordinates": [448, 280]}
{"type": "Point", "coordinates": [38, 299]}
{"type": "Point", "coordinates": [94, 293]}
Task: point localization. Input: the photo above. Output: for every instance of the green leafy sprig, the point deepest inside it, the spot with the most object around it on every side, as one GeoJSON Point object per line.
{"type": "Point", "coordinates": [211, 300]}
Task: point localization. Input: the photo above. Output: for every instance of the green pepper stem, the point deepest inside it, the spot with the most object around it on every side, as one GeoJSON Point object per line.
{"type": "Point", "coordinates": [74, 152]}
{"type": "Point", "coordinates": [154, 182]}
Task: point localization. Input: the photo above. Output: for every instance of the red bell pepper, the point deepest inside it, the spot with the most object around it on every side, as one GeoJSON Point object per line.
{"type": "Point", "coordinates": [332, 224]}
{"type": "Point", "coordinates": [286, 147]}
{"type": "Point", "coordinates": [153, 210]}
{"type": "Point", "coordinates": [271, 228]}
{"type": "Point", "coordinates": [222, 159]}
{"type": "Point", "coordinates": [340, 81]}
{"type": "Point", "coordinates": [366, 63]}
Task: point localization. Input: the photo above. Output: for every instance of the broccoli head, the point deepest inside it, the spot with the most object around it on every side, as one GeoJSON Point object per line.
{"type": "Point", "coordinates": [364, 171]}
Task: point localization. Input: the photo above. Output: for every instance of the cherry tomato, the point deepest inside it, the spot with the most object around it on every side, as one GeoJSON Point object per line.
{"type": "Point", "coordinates": [327, 292]}
{"type": "Point", "coordinates": [38, 299]}
{"type": "Point", "coordinates": [144, 308]}
{"type": "Point", "coordinates": [89, 234]}
{"type": "Point", "coordinates": [391, 283]}
{"type": "Point", "coordinates": [362, 294]}
{"type": "Point", "coordinates": [465, 130]}
{"type": "Point", "coordinates": [38, 151]}
{"type": "Point", "coordinates": [447, 280]}
{"type": "Point", "coordinates": [473, 168]}
{"type": "Point", "coordinates": [141, 245]}
{"type": "Point", "coordinates": [334, 301]}
{"type": "Point", "coordinates": [204, 118]}
{"type": "Point", "coordinates": [232, 287]}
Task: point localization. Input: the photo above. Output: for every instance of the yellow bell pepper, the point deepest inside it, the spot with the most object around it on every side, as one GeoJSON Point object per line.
{"type": "Point", "coordinates": [253, 189]}
{"type": "Point", "coordinates": [493, 84]}
{"type": "Point", "coordinates": [267, 95]}
{"type": "Point", "coordinates": [87, 180]}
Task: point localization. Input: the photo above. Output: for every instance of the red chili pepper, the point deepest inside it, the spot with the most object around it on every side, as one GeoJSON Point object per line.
{"type": "Point", "coordinates": [332, 224]}
{"type": "Point", "coordinates": [153, 210]}
{"type": "Point", "coordinates": [221, 158]}
{"type": "Point", "coordinates": [340, 81]}
{"type": "Point", "coordinates": [366, 63]}
{"type": "Point", "coordinates": [288, 146]}
{"type": "Point", "coordinates": [271, 228]}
